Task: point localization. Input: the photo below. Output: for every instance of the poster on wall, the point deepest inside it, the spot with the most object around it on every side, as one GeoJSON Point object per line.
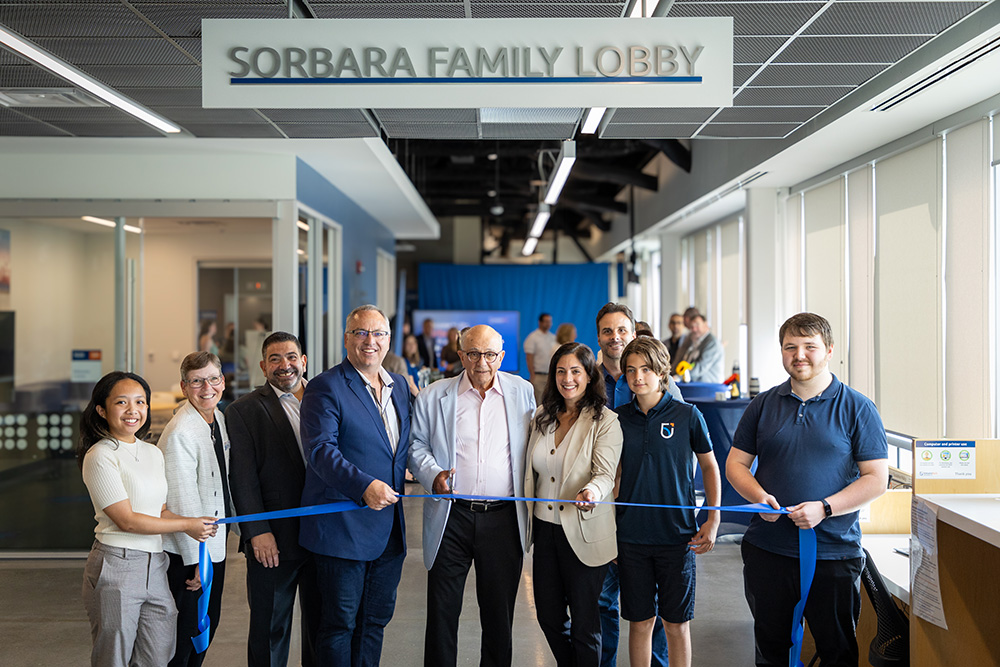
{"type": "Point", "coordinates": [4, 261]}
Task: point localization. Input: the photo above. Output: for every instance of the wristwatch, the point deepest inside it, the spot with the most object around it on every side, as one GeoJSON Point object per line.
{"type": "Point", "coordinates": [827, 510]}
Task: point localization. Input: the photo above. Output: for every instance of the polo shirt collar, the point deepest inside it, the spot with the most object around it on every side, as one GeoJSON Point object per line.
{"type": "Point", "coordinates": [785, 389]}
{"type": "Point", "coordinates": [661, 405]}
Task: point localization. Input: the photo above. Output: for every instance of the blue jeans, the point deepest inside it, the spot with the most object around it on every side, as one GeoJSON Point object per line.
{"type": "Point", "coordinates": [357, 599]}
{"type": "Point", "coordinates": [608, 603]}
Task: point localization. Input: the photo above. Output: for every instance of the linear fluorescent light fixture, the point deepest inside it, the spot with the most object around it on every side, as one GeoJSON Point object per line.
{"type": "Point", "coordinates": [529, 246]}
{"type": "Point", "coordinates": [110, 223]}
{"type": "Point", "coordinates": [592, 120]}
{"type": "Point", "coordinates": [541, 219]}
{"type": "Point", "coordinates": [64, 70]}
{"type": "Point", "coordinates": [943, 73]}
{"type": "Point", "coordinates": [567, 156]}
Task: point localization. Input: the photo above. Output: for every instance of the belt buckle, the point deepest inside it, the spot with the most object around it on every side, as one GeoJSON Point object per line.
{"type": "Point", "coordinates": [479, 505]}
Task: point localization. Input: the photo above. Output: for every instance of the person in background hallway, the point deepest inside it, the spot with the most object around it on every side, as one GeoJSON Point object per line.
{"type": "Point", "coordinates": [195, 447]}
{"type": "Point", "coordinates": [413, 362]}
{"type": "Point", "coordinates": [206, 337]}
{"type": "Point", "coordinates": [426, 340]}
{"type": "Point", "coordinates": [676, 326]}
{"type": "Point", "coordinates": [132, 613]}
{"type": "Point", "coordinates": [573, 455]}
{"type": "Point", "coordinates": [565, 333]}
{"type": "Point", "coordinates": [469, 437]}
{"type": "Point", "coordinates": [704, 351]}
{"type": "Point", "coordinates": [356, 434]}
{"type": "Point", "coordinates": [267, 473]}
{"type": "Point", "coordinates": [643, 329]}
{"type": "Point", "coordinates": [449, 354]}
{"type": "Point", "coordinates": [821, 451]}
{"type": "Point", "coordinates": [685, 339]}
{"type": "Point", "coordinates": [396, 364]}
{"type": "Point", "coordinates": [656, 547]}
{"type": "Point", "coordinates": [615, 330]}
{"type": "Point", "coordinates": [537, 351]}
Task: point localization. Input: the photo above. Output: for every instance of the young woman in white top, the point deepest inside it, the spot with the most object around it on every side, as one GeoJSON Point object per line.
{"type": "Point", "coordinates": [132, 613]}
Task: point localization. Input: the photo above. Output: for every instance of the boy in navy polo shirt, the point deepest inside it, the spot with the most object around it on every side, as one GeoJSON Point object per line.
{"type": "Point", "coordinates": [656, 547]}
{"type": "Point", "coordinates": [821, 451]}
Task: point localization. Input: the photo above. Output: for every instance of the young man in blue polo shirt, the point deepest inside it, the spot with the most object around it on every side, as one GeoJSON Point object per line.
{"type": "Point", "coordinates": [657, 547]}
{"type": "Point", "coordinates": [821, 451]}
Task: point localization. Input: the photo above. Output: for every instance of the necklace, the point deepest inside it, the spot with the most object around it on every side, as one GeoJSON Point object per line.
{"type": "Point", "coordinates": [134, 451]}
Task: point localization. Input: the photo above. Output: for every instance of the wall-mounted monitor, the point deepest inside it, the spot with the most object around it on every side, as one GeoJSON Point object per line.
{"type": "Point", "coordinates": [506, 322]}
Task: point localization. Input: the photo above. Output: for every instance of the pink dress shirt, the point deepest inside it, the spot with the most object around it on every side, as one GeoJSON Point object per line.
{"type": "Point", "coordinates": [482, 450]}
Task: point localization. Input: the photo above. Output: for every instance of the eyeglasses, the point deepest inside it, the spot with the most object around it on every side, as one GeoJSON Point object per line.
{"type": "Point", "coordinates": [475, 356]}
{"type": "Point", "coordinates": [361, 334]}
{"type": "Point", "coordinates": [198, 383]}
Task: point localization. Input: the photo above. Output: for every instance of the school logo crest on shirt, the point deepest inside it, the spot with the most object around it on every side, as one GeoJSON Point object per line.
{"type": "Point", "coordinates": [667, 430]}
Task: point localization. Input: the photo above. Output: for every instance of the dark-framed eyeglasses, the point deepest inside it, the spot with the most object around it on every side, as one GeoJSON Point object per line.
{"type": "Point", "coordinates": [474, 356]}
{"type": "Point", "coordinates": [362, 334]}
{"type": "Point", "coordinates": [198, 383]}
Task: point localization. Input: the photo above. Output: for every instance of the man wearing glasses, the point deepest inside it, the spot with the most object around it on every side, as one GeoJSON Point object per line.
{"type": "Point", "coordinates": [469, 438]}
{"type": "Point", "coordinates": [355, 427]}
{"type": "Point", "coordinates": [196, 462]}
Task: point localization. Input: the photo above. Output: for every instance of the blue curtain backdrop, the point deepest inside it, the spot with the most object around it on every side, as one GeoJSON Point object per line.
{"type": "Point", "coordinates": [570, 292]}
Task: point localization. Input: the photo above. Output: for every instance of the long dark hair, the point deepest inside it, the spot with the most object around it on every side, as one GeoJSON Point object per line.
{"type": "Point", "coordinates": [94, 427]}
{"type": "Point", "coordinates": [593, 397]}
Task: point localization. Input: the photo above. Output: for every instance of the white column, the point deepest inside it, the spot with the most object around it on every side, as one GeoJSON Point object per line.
{"type": "Point", "coordinates": [670, 279]}
{"type": "Point", "coordinates": [764, 260]}
{"type": "Point", "coordinates": [285, 268]}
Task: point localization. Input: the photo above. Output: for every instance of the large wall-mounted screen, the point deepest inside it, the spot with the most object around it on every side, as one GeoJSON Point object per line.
{"type": "Point", "coordinates": [506, 322]}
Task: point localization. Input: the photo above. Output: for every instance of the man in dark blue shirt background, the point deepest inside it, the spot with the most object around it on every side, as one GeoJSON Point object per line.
{"type": "Point", "coordinates": [821, 451]}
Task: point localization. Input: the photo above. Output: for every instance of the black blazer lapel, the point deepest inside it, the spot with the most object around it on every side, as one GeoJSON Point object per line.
{"type": "Point", "coordinates": [283, 428]}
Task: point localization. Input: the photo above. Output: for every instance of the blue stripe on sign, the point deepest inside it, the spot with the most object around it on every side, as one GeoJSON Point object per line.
{"type": "Point", "coordinates": [432, 79]}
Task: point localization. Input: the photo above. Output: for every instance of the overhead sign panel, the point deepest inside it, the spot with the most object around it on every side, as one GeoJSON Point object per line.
{"type": "Point", "coordinates": [465, 63]}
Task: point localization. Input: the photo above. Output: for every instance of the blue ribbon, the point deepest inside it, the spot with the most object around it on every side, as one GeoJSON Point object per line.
{"type": "Point", "coordinates": [807, 549]}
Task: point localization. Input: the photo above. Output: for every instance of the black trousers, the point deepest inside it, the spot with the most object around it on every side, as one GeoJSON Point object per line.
{"type": "Point", "coordinates": [771, 584]}
{"type": "Point", "coordinates": [187, 608]}
{"type": "Point", "coordinates": [271, 596]}
{"type": "Point", "coordinates": [490, 540]}
{"type": "Point", "coordinates": [563, 583]}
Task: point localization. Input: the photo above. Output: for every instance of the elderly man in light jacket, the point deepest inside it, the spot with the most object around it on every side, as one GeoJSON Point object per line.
{"type": "Point", "coordinates": [196, 460]}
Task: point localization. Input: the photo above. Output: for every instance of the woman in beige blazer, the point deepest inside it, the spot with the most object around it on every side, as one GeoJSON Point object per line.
{"type": "Point", "coordinates": [572, 455]}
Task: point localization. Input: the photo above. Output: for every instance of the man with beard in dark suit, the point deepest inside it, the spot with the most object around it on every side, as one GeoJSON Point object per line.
{"type": "Point", "coordinates": [267, 472]}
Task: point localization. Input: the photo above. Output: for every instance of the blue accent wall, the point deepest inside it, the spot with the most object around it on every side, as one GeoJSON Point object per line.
{"type": "Point", "coordinates": [362, 233]}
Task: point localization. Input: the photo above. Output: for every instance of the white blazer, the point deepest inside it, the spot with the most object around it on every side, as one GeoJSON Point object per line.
{"type": "Point", "coordinates": [432, 446]}
{"type": "Point", "coordinates": [194, 480]}
{"type": "Point", "coordinates": [591, 461]}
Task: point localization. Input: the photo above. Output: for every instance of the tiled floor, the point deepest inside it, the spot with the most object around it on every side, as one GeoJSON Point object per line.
{"type": "Point", "coordinates": [42, 621]}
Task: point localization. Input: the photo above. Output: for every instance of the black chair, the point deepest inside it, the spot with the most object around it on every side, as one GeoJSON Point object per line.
{"type": "Point", "coordinates": [891, 646]}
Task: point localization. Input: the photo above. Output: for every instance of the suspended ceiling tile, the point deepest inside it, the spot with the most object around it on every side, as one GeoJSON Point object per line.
{"type": "Point", "coordinates": [328, 130]}
{"type": "Point", "coordinates": [890, 18]}
{"type": "Point", "coordinates": [754, 18]}
{"type": "Point", "coordinates": [171, 97]}
{"type": "Point", "coordinates": [527, 115]}
{"type": "Point", "coordinates": [185, 115]}
{"type": "Point", "coordinates": [184, 20]}
{"type": "Point", "coordinates": [233, 130]}
{"type": "Point", "coordinates": [29, 129]}
{"type": "Point", "coordinates": [59, 115]}
{"type": "Point", "coordinates": [118, 129]}
{"type": "Point", "coordinates": [745, 131]}
{"type": "Point", "coordinates": [427, 115]}
{"type": "Point", "coordinates": [816, 75]}
{"type": "Point", "coordinates": [650, 131]}
{"type": "Point", "coordinates": [404, 130]}
{"type": "Point", "coordinates": [29, 76]}
{"type": "Point", "coordinates": [389, 10]}
{"type": "Point", "coordinates": [795, 97]}
{"type": "Point", "coordinates": [743, 72]}
{"type": "Point", "coordinates": [74, 20]}
{"type": "Point", "coordinates": [315, 115]}
{"type": "Point", "coordinates": [488, 10]}
{"type": "Point", "coordinates": [755, 50]}
{"type": "Point", "coordinates": [560, 131]}
{"type": "Point", "coordinates": [850, 49]}
{"type": "Point", "coordinates": [110, 51]}
{"type": "Point", "coordinates": [767, 114]}
{"type": "Point", "coordinates": [168, 76]}
{"type": "Point", "coordinates": [668, 115]}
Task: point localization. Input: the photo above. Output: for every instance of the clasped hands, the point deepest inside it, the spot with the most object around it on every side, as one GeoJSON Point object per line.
{"type": "Point", "coordinates": [804, 515]}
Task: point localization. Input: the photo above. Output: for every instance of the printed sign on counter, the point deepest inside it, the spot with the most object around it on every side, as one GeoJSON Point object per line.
{"type": "Point", "coordinates": [945, 459]}
{"type": "Point", "coordinates": [86, 366]}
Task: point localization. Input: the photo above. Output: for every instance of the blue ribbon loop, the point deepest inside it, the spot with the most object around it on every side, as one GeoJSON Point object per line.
{"type": "Point", "coordinates": [807, 549]}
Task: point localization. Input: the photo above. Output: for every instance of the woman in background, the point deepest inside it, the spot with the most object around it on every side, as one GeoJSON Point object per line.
{"type": "Point", "coordinates": [132, 613]}
{"type": "Point", "coordinates": [572, 454]}
{"type": "Point", "coordinates": [411, 355]}
{"type": "Point", "coordinates": [206, 337]}
{"type": "Point", "coordinates": [449, 355]}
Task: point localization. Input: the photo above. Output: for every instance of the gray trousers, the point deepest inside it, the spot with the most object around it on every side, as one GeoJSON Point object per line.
{"type": "Point", "coordinates": [132, 614]}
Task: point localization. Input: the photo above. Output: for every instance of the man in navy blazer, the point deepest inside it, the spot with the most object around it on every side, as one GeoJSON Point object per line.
{"type": "Point", "coordinates": [469, 436]}
{"type": "Point", "coordinates": [355, 432]}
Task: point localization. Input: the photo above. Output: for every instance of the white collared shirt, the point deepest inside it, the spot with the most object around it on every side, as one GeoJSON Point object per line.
{"type": "Point", "coordinates": [482, 447]}
{"type": "Point", "coordinates": [291, 406]}
{"type": "Point", "coordinates": [384, 405]}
